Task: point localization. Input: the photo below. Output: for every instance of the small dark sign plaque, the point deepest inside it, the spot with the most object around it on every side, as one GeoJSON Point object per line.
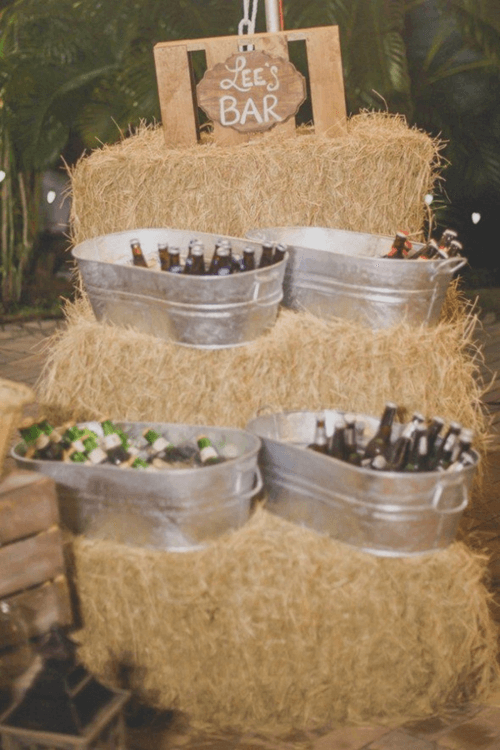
{"type": "Point", "coordinates": [251, 91]}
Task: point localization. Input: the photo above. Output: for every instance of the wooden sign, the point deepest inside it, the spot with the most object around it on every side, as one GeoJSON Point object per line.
{"type": "Point", "coordinates": [251, 91]}
{"type": "Point", "coordinates": [177, 91]}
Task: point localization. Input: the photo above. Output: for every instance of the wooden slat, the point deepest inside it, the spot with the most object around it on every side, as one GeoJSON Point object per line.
{"type": "Point", "coordinates": [217, 51]}
{"type": "Point", "coordinates": [277, 45]}
{"type": "Point", "coordinates": [31, 561]}
{"type": "Point", "coordinates": [325, 75]}
{"type": "Point", "coordinates": [176, 96]}
{"type": "Point", "coordinates": [28, 504]}
{"type": "Point", "coordinates": [45, 605]}
{"type": "Point", "coordinates": [326, 81]}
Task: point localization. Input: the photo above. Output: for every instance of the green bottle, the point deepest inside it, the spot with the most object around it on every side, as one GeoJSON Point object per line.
{"type": "Point", "coordinates": [207, 455]}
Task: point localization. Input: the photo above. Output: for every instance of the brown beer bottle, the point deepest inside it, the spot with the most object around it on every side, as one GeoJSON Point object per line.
{"type": "Point", "coordinates": [455, 248]}
{"type": "Point", "coordinates": [398, 249]}
{"type": "Point", "coordinates": [215, 256]}
{"type": "Point", "coordinates": [138, 258]}
{"type": "Point", "coordinates": [320, 440]}
{"type": "Point", "coordinates": [446, 449]}
{"type": "Point", "coordinates": [248, 260]}
{"type": "Point", "coordinates": [447, 236]}
{"type": "Point", "coordinates": [381, 441]}
{"type": "Point", "coordinates": [174, 260]}
{"type": "Point", "coordinates": [266, 257]}
{"type": "Point", "coordinates": [279, 252]}
{"type": "Point", "coordinates": [352, 455]}
{"type": "Point", "coordinates": [195, 261]}
{"type": "Point", "coordinates": [224, 263]}
{"type": "Point", "coordinates": [418, 459]}
{"type": "Point", "coordinates": [163, 256]}
{"type": "Point", "coordinates": [433, 431]}
{"type": "Point", "coordinates": [336, 444]}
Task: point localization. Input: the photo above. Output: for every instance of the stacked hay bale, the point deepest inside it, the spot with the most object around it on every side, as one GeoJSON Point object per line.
{"type": "Point", "coordinates": [275, 627]}
{"type": "Point", "coordinates": [275, 624]}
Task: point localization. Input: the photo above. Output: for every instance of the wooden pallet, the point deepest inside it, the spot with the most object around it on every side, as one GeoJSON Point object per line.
{"type": "Point", "coordinates": [176, 87]}
{"type": "Point", "coordinates": [32, 568]}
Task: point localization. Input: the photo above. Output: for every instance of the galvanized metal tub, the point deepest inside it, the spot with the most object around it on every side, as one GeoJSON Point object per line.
{"type": "Point", "coordinates": [207, 312]}
{"type": "Point", "coordinates": [337, 273]}
{"type": "Point", "coordinates": [392, 514]}
{"type": "Point", "coordinates": [176, 509]}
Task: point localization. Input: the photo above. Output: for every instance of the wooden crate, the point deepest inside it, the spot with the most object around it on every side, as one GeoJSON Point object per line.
{"type": "Point", "coordinates": [105, 732]}
{"type": "Point", "coordinates": [32, 569]}
{"type": "Point", "coordinates": [177, 91]}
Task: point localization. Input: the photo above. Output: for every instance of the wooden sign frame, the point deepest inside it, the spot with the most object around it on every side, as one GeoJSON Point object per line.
{"type": "Point", "coordinates": [177, 93]}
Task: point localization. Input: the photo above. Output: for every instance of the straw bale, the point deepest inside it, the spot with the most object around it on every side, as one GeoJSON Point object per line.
{"type": "Point", "coordinates": [303, 362]}
{"type": "Point", "coordinates": [374, 179]}
{"type": "Point", "coordinates": [276, 627]}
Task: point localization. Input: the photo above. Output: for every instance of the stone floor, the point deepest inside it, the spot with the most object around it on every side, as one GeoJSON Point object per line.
{"type": "Point", "coordinates": [474, 727]}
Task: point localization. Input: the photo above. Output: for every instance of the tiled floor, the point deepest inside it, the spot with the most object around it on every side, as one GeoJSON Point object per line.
{"type": "Point", "coordinates": [475, 727]}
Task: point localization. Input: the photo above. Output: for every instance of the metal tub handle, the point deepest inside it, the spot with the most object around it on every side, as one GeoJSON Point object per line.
{"type": "Point", "coordinates": [458, 508]}
{"type": "Point", "coordinates": [448, 267]}
{"type": "Point", "coordinates": [257, 481]}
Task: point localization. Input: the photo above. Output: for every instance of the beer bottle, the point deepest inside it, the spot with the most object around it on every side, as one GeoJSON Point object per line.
{"type": "Point", "coordinates": [35, 438]}
{"type": "Point", "coordinates": [466, 459]}
{"type": "Point", "coordinates": [320, 441]}
{"type": "Point", "coordinates": [445, 451]}
{"type": "Point", "coordinates": [279, 252]}
{"type": "Point", "coordinates": [433, 431]}
{"type": "Point", "coordinates": [49, 447]}
{"type": "Point", "coordinates": [248, 260]}
{"type": "Point", "coordinates": [352, 455]}
{"type": "Point", "coordinates": [174, 260]}
{"type": "Point", "coordinates": [447, 236]}
{"type": "Point", "coordinates": [427, 252]}
{"type": "Point", "coordinates": [213, 262]}
{"type": "Point", "coordinates": [401, 450]}
{"type": "Point", "coordinates": [266, 256]}
{"type": "Point", "coordinates": [398, 249]}
{"type": "Point", "coordinates": [189, 258]}
{"type": "Point", "coordinates": [379, 463]}
{"type": "Point", "coordinates": [336, 444]}
{"type": "Point", "coordinates": [207, 455]}
{"type": "Point", "coordinates": [463, 444]}
{"type": "Point", "coordinates": [401, 447]}
{"type": "Point", "coordinates": [381, 441]}
{"type": "Point", "coordinates": [163, 255]}
{"type": "Point", "coordinates": [112, 443]}
{"type": "Point", "coordinates": [157, 443]}
{"type": "Point", "coordinates": [462, 455]}
{"type": "Point", "coordinates": [455, 248]}
{"type": "Point", "coordinates": [140, 463]}
{"type": "Point", "coordinates": [224, 264]}
{"type": "Point", "coordinates": [417, 460]}
{"type": "Point", "coordinates": [75, 457]}
{"type": "Point", "coordinates": [138, 258]}
{"type": "Point", "coordinates": [94, 452]}
{"type": "Point", "coordinates": [195, 263]}
{"type": "Point", "coordinates": [71, 439]}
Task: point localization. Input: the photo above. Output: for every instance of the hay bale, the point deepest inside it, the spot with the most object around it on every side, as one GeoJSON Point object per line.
{"type": "Point", "coordinates": [303, 362]}
{"type": "Point", "coordinates": [372, 180]}
{"type": "Point", "coordinates": [277, 627]}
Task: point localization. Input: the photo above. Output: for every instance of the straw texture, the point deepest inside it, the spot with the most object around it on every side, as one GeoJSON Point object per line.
{"type": "Point", "coordinates": [276, 627]}
{"type": "Point", "coordinates": [374, 179]}
{"type": "Point", "coordinates": [303, 362]}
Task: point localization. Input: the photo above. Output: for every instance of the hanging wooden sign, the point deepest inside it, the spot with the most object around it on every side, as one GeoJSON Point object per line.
{"type": "Point", "coordinates": [251, 91]}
